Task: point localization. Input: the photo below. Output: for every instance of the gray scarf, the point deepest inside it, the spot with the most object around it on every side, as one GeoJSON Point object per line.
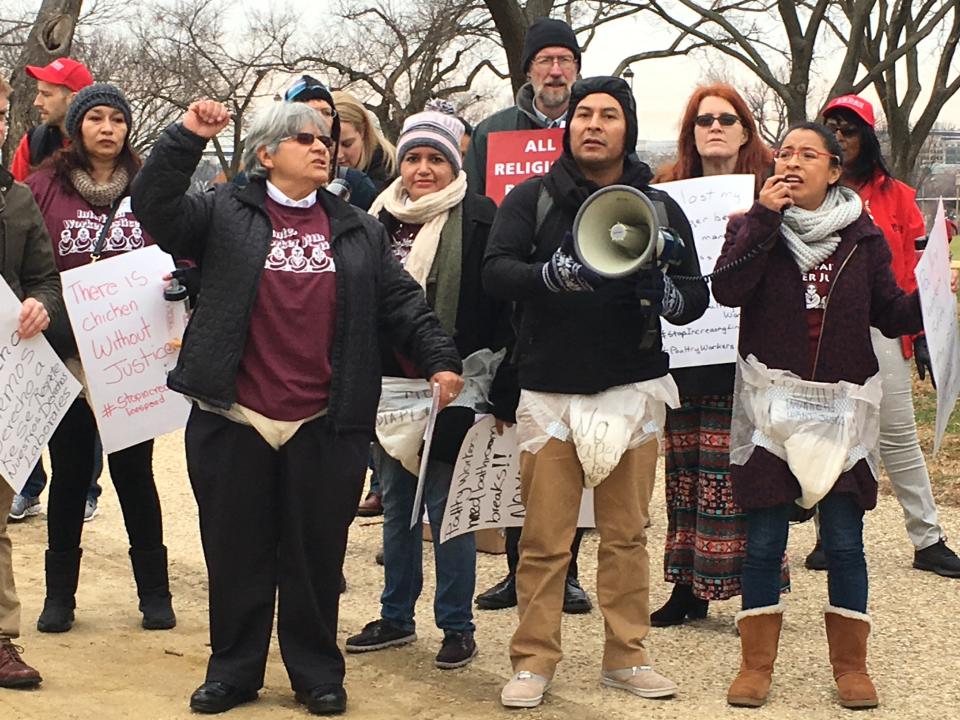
{"type": "Point", "coordinates": [99, 195]}
{"type": "Point", "coordinates": [812, 235]}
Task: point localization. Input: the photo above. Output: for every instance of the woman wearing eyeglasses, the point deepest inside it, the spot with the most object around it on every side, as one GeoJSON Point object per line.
{"type": "Point", "coordinates": [439, 233]}
{"type": "Point", "coordinates": [706, 528]}
{"type": "Point", "coordinates": [280, 360]}
{"type": "Point", "coordinates": [893, 207]}
{"type": "Point", "coordinates": [813, 276]}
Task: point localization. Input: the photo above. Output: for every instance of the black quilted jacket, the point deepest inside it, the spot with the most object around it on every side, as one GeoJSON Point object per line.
{"type": "Point", "coordinates": [227, 232]}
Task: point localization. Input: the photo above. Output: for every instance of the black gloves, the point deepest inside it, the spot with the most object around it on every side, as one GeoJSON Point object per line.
{"type": "Point", "coordinates": [188, 275]}
{"type": "Point", "coordinates": [921, 355]}
{"type": "Point", "coordinates": [658, 291]}
{"type": "Point", "coordinates": [564, 273]}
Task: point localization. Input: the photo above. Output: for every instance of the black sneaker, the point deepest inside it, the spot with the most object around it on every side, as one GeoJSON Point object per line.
{"type": "Point", "coordinates": [817, 559]}
{"type": "Point", "coordinates": [938, 558]}
{"type": "Point", "coordinates": [458, 649]}
{"type": "Point", "coordinates": [378, 635]}
{"type": "Point", "coordinates": [500, 596]}
{"type": "Point", "coordinates": [575, 599]}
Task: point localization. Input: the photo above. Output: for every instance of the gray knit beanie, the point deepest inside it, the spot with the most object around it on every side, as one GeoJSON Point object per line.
{"type": "Point", "coordinates": [89, 98]}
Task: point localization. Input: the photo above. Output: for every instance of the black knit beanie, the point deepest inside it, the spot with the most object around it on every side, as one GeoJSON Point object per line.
{"type": "Point", "coordinates": [548, 32]}
{"type": "Point", "coordinates": [620, 91]}
{"type": "Point", "coordinates": [89, 98]}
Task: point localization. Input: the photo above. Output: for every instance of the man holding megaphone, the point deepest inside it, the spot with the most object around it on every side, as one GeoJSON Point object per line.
{"type": "Point", "coordinates": [593, 377]}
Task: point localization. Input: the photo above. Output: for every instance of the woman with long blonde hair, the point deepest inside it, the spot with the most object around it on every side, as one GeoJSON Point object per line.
{"type": "Point", "coordinates": [362, 144]}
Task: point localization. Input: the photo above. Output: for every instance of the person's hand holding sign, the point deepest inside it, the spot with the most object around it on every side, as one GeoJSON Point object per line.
{"type": "Point", "coordinates": [33, 318]}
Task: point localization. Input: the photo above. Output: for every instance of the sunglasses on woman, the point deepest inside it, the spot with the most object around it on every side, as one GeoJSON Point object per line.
{"type": "Point", "coordinates": [845, 129]}
{"type": "Point", "coordinates": [725, 119]}
{"type": "Point", "coordinates": [309, 138]}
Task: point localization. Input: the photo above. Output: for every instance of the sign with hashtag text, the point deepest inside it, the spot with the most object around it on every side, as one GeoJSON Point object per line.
{"type": "Point", "coordinates": [120, 321]}
{"type": "Point", "coordinates": [36, 390]}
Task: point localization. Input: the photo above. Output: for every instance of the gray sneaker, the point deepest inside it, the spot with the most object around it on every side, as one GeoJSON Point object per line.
{"type": "Point", "coordinates": [89, 510]}
{"type": "Point", "coordinates": [24, 507]}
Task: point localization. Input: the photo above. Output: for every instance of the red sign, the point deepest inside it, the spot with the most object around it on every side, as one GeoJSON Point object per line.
{"type": "Point", "coordinates": [516, 155]}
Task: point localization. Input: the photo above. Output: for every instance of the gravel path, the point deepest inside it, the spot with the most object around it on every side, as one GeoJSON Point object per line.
{"type": "Point", "coordinates": [108, 668]}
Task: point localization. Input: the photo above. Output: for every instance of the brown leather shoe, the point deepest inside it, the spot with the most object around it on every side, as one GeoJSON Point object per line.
{"type": "Point", "coordinates": [370, 506]}
{"type": "Point", "coordinates": [14, 672]}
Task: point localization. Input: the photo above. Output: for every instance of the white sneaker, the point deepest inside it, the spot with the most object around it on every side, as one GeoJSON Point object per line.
{"type": "Point", "coordinates": [525, 690]}
{"type": "Point", "coordinates": [90, 510]}
{"type": "Point", "coordinates": [641, 680]}
{"type": "Point", "coordinates": [23, 507]}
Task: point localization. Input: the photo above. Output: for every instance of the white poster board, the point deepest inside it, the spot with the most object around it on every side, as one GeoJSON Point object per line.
{"type": "Point", "coordinates": [119, 318]}
{"type": "Point", "coordinates": [36, 390]}
{"type": "Point", "coordinates": [707, 202]}
{"type": "Point", "coordinates": [485, 489]}
{"type": "Point", "coordinates": [939, 307]}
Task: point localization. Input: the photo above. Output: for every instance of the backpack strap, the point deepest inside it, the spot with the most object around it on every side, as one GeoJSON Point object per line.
{"type": "Point", "coordinates": [544, 206]}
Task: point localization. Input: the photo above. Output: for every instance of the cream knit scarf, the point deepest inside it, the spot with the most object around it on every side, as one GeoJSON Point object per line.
{"type": "Point", "coordinates": [430, 211]}
{"type": "Point", "coordinates": [812, 235]}
{"type": "Point", "coordinates": [99, 195]}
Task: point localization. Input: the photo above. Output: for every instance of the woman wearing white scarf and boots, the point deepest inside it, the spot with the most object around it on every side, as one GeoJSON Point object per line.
{"type": "Point", "coordinates": [439, 231]}
{"type": "Point", "coordinates": [811, 274]}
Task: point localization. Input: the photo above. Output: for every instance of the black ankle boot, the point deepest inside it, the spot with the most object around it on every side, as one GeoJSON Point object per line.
{"type": "Point", "coordinates": [153, 588]}
{"type": "Point", "coordinates": [62, 570]}
{"type": "Point", "coordinates": [681, 606]}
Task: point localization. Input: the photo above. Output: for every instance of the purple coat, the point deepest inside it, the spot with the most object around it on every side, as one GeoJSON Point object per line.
{"type": "Point", "coordinates": [773, 327]}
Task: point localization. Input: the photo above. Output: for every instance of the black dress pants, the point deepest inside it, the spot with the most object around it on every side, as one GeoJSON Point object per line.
{"type": "Point", "coordinates": [131, 470]}
{"type": "Point", "coordinates": [274, 522]}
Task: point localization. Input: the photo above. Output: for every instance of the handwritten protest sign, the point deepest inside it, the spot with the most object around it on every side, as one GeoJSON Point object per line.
{"type": "Point", "coordinates": [515, 155]}
{"type": "Point", "coordinates": [36, 390]}
{"type": "Point", "coordinates": [485, 490]}
{"type": "Point", "coordinates": [425, 455]}
{"type": "Point", "coordinates": [707, 203]}
{"type": "Point", "coordinates": [119, 318]}
{"type": "Point", "coordinates": [939, 307]}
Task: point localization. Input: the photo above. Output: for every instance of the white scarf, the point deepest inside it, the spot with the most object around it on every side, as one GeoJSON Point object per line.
{"type": "Point", "coordinates": [811, 235]}
{"type": "Point", "coordinates": [430, 211]}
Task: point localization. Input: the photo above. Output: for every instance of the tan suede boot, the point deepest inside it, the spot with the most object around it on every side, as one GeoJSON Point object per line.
{"type": "Point", "coordinates": [847, 632]}
{"type": "Point", "coordinates": [759, 637]}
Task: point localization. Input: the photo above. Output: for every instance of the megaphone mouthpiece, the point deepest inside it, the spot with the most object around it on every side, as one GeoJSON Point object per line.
{"type": "Point", "coordinates": [633, 240]}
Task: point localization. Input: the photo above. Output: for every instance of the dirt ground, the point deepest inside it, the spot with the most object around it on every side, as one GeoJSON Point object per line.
{"type": "Point", "coordinates": [108, 668]}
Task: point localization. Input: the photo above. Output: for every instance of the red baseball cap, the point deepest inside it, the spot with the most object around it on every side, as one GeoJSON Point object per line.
{"type": "Point", "coordinates": [63, 71]}
{"type": "Point", "coordinates": [856, 104]}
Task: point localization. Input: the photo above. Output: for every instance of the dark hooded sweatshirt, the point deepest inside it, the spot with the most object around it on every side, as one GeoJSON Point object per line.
{"type": "Point", "coordinates": [580, 342]}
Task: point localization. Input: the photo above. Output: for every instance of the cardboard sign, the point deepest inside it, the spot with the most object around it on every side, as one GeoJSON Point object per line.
{"type": "Point", "coordinates": [485, 489]}
{"type": "Point", "coordinates": [119, 318]}
{"type": "Point", "coordinates": [939, 306]}
{"type": "Point", "coordinates": [707, 202]}
{"type": "Point", "coordinates": [36, 390]}
{"type": "Point", "coordinates": [515, 155]}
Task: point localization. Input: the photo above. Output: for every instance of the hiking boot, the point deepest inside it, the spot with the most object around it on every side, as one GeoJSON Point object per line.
{"type": "Point", "coordinates": [681, 606]}
{"type": "Point", "coordinates": [641, 680]}
{"type": "Point", "coordinates": [525, 690]}
{"type": "Point", "coordinates": [500, 596]}
{"type": "Point", "coordinates": [379, 635]}
{"type": "Point", "coordinates": [371, 505]}
{"type": "Point", "coordinates": [24, 507]}
{"type": "Point", "coordinates": [575, 599]}
{"type": "Point", "coordinates": [817, 559]}
{"type": "Point", "coordinates": [457, 650]}
{"type": "Point", "coordinates": [938, 558]}
{"type": "Point", "coordinates": [14, 672]}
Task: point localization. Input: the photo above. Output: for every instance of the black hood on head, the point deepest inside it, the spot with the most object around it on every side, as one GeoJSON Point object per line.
{"type": "Point", "coordinates": [615, 87]}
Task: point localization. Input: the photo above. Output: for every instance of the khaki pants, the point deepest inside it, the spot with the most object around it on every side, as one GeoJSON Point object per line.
{"type": "Point", "coordinates": [551, 486]}
{"type": "Point", "coordinates": [9, 604]}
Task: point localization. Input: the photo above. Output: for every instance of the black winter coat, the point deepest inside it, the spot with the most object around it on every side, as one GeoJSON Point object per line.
{"type": "Point", "coordinates": [227, 232]}
{"type": "Point", "coordinates": [578, 342]}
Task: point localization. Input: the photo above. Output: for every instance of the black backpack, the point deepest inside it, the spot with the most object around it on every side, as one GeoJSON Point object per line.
{"type": "Point", "coordinates": [43, 141]}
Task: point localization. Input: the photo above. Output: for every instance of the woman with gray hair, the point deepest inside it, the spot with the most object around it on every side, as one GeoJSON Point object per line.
{"type": "Point", "coordinates": [281, 361]}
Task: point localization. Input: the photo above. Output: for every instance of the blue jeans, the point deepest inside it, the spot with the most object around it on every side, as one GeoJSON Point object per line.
{"type": "Point", "coordinates": [38, 476]}
{"type": "Point", "coordinates": [456, 559]}
{"type": "Point", "coordinates": [841, 533]}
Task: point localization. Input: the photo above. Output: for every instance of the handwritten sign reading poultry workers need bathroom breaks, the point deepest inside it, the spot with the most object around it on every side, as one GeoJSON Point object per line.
{"type": "Point", "coordinates": [119, 318]}
{"type": "Point", "coordinates": [36, 389]}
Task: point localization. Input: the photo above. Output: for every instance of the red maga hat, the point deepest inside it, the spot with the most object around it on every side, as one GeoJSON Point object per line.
{"type": "Point", "coordinates": [856, 104]}
{"type": "Point", "coordinates": [63, 71]}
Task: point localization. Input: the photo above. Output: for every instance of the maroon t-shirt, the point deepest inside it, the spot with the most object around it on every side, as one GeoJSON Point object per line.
{"type": "Point", "coordinates": [285, 370]}
{"type": "Point", "coordinates": [816, 287]}
{"type": "Point", "coordinates": [74, 224]}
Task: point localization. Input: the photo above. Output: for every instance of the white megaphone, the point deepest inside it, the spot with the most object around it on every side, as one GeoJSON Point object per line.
{"type": "Point", "coordinates": [617, 231]}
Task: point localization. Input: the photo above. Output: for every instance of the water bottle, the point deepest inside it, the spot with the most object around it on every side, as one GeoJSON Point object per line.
{"type": "Point", "coordinates": [178, 313]}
